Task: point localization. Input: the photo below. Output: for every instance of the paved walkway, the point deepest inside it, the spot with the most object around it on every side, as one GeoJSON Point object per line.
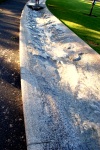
{"type": "Point", "coordinates": [60, 77]}
{"type": "Point", "coordinates": [12, 134]}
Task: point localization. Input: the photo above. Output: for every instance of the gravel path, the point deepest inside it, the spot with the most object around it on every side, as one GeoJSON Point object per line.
{"type": "Point", "coordinates": [12, 134]}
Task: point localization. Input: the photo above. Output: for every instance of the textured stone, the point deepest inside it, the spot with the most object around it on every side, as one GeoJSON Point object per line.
{"type": "Point", "coordinates": [60, 85]}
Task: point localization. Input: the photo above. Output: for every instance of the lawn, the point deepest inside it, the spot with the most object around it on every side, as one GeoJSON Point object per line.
{"type": "Point", "coordinates": [74, 14]}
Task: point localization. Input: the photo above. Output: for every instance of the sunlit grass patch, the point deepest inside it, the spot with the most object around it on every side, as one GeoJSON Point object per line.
{"type": "Point", "coordinates": [75, 15]}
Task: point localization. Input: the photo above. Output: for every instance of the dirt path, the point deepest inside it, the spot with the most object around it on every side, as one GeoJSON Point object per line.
{"type": "Point", "coordinates": [12, 134]}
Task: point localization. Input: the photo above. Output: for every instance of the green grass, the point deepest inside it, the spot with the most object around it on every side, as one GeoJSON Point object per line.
{"type": "Point", "coordinates": [74, 14]}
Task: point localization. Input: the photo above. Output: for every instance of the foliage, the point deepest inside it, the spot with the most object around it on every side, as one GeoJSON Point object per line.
{"type": "Point", "coordinates": [75, 15]}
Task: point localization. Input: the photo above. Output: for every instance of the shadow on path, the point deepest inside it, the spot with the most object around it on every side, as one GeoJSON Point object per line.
{"type": "Point", "coordinates": [12, 133]}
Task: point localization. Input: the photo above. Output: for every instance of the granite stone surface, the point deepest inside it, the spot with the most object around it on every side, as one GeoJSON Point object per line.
{"type": "Point", "coordinates": [60, 77]}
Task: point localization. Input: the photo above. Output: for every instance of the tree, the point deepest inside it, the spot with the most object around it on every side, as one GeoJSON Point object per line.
{"type": "Point", "coordinates": [94, 1]}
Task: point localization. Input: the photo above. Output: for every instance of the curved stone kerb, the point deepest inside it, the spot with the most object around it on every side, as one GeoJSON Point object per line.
{"type": "Point", "coordinates": [60, 77]}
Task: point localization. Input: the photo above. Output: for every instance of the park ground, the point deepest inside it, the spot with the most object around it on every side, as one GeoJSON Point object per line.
{"type": "Point", "coordinates": [75, 15]}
